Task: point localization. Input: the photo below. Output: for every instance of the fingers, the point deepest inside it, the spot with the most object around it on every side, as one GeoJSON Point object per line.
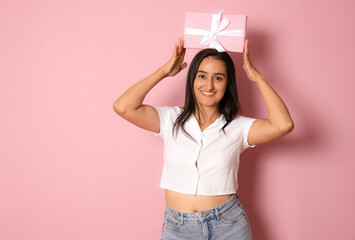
{"type": "Point", "coordinates": [179, 55]}
{"type": "Point", "coordinates": [246, 45]}
{"type": "Point", "coordinates": [180, 50]}
{"type": "Point", "coordinates": [183, 53]}
{"type": "Point", "coordinates": [181, 46]}
{"type": "Point", "coordinates": [246, 50]}
{"type": "Point", "coordinates": [174, 52]}
{"type": "Point", "coordinates": [246, 53]}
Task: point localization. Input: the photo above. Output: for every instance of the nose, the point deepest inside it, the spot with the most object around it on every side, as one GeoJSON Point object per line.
{"type": "Point", "coordinates": [210, 84]}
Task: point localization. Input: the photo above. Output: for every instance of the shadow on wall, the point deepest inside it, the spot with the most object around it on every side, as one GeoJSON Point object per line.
{"type": "Point", "coordinates": [307, 137]}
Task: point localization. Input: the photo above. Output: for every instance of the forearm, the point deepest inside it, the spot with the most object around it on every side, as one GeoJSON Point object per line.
{"type": "Point", "coordinates": [133, 98]}
{"type": "Point", "coordinates": [278, 114]}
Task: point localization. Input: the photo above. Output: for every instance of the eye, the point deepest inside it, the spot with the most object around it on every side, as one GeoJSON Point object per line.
{"type": "Point", "coordinates": [201, 76]}
{"type": "Point", "coordinates": [219, 78]}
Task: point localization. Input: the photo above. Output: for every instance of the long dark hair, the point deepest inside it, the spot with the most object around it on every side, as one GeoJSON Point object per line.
{"type": "Point", "coordinates": [229, 104]}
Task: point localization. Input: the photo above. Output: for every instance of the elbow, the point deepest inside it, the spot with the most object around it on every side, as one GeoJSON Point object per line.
{"type": "Point", "coordinates": [287, 127]}
{"type": "Point", "coordinates": [119, 109]}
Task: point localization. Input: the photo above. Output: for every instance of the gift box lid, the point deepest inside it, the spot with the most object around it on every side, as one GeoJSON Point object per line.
{"type": "Point", "coordinates": [224, 32]}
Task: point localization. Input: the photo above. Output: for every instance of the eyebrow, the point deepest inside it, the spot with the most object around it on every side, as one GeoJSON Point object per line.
{"type": "Point", "coordinates": [214, 73]}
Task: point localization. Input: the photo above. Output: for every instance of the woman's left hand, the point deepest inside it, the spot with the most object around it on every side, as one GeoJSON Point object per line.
{"type": "Point", "coordinates": [250, 70]}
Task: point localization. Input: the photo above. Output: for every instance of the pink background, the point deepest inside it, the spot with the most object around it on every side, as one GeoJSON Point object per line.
{"type": "Point", "coordinates": [72, 169]}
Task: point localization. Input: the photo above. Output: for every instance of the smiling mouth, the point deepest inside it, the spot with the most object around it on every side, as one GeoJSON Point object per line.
{"type": "Point", "coordinates": [208, 93]}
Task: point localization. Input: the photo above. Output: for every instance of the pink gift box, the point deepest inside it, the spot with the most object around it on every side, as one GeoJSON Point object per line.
{"type": "Point", "coordinates": [197, 25]}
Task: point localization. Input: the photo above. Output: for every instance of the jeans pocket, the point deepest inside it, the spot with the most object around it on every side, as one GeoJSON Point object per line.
{"type": "Point", "coordinates": [233, 215]}
{"type": "Point", "coordinates": [171, 223]}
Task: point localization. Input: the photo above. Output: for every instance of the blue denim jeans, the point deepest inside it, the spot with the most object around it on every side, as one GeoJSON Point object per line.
{"type": "Point", "coordinates": [226, 221]}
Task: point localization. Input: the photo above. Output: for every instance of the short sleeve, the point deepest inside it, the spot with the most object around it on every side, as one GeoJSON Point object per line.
{"type": "Point", "coordinates": [248, 122]}
{"type": "Point", "coordinates": [163, 119]}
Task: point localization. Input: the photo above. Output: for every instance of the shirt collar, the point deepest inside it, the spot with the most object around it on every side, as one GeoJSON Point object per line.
{"type": "Point", "coordinates": [216, 125]}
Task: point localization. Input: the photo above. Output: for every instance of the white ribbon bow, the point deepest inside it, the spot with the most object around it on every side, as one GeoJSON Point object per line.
{"type": "Point", "coordinates": [217, 26]}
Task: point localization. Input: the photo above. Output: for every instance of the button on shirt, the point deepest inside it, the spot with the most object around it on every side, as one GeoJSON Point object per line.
{"type": "Point", "coordinates": [208, 165]}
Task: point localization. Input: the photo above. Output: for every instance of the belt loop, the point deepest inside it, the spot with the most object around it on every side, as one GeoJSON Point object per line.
{"type": "Point", "coordinates": [182, 219]}
{"type": "Point", "coordinates": [236, 199]}
{"type": "Point", "coordinates": [217, 213]}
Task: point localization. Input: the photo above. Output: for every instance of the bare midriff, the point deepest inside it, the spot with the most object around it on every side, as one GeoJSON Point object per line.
{"type": "Point", "coordinates": [193, 203]}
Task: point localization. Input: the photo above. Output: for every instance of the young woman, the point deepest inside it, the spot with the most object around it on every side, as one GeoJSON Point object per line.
{"type": "Point", "coordinates": [203, 141]}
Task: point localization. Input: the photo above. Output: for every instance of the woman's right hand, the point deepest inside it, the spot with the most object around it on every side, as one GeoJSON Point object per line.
{"type": "Point", "coordinates": [130, 104]}
{"type": "Point", "coordinates": [176, 62]}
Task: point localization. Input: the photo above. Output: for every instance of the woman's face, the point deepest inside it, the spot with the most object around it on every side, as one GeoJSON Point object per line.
{"type": "Point", "coordinates": [210, 82]}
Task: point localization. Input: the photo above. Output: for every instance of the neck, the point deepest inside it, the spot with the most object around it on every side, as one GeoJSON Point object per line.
{"type": "Point", "coordinates": [207, 114]}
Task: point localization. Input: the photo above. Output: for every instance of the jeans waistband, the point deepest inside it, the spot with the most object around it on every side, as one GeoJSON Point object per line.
{"type": "Point", "coordinates": [205, 214]}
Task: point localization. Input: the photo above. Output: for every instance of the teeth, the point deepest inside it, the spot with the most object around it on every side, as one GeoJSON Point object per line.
{"type": "Point", "coordinates": [207, 93]}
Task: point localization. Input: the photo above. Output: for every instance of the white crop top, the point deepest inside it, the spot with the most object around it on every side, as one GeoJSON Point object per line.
{"type": "Point", "coordinates": [216, 154]}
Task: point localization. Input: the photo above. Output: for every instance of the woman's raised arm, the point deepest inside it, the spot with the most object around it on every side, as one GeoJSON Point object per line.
{"type": "Point", "coordinates": [279, 122]}
{"type": "Point", "coordinates": [130, 104]}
